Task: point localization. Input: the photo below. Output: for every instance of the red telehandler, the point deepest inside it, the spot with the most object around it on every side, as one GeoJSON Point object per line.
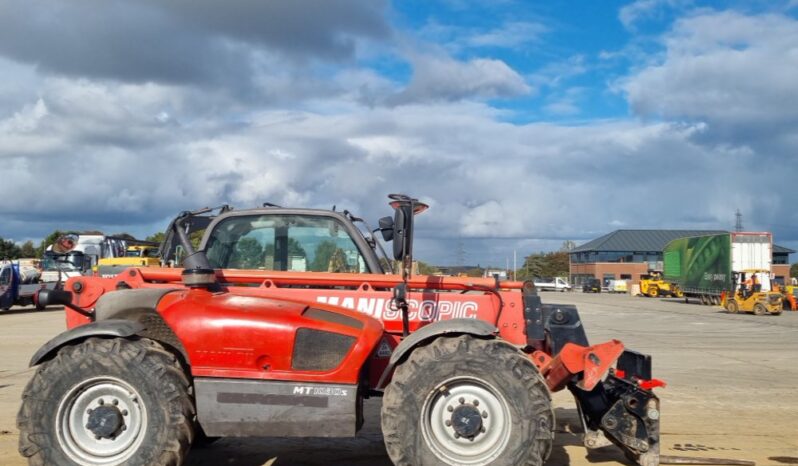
{"type": "Point", "coordinates": [283, 321]}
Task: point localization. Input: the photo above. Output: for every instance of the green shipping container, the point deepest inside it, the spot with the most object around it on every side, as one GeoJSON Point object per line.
{"type": "Point", "coordinates": [699, 262]}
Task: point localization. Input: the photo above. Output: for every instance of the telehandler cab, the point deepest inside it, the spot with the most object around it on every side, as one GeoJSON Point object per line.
{"type": "Point", "coordinates": [283, 321]}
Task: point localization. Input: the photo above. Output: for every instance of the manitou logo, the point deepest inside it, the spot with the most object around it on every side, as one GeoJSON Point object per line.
{"type": "Point", "coordinates": [320, 391]}
{"type": "Point", "coordinates": [425, 310]}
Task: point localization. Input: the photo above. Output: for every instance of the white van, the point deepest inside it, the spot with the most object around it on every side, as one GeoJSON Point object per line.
{"type": "Point", "coordinates": [552, 284]}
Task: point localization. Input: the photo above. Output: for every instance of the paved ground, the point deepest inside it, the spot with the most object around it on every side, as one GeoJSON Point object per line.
{"type": "Point", "coordinates": [731, 387]}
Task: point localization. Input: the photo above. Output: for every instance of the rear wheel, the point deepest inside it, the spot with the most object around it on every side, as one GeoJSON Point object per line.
{"type": "Point", "coordinates": [732, 306]}
{"type": "Point", "coordinates": [653, 291]}
{"type": "Point", "coordinates": [107, 402]}
{"type": "Point", "coordinates": [760, 309]}
{"type": "Point", "coordinates": [467, 401]}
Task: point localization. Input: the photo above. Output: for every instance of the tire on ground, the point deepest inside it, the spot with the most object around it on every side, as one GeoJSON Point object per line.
{"type": "Point", "coordinates": [732, 307]}
{"type": "Point", "coordinates": [760, 309]}
{"type": "Point", "coordinates": [155, 404]}
{"type": "Point", "coordinates": [448, 372]}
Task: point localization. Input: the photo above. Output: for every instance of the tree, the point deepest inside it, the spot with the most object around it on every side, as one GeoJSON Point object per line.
{"type": "Point", "coordinates": [322, 255]}
{"type": "Point", "coordinates": [248, 254]}
{"type": "Point", "coordinates": [568, 245]}
{"type": "Point", "coordinates": [48, 240]}
{"type": "Point", "coordinates": [8, 249]}
{"type": "Point", "coordinates": [196, 238]}
{"type": "Point", "coordinates": [551, 264]}
{"type": "Point", "coordinates": [794, 270]}
{"type": "Point", "coordinates": [28, 250]}
{"type": "Point", "coordinates": [156, 238]}
{"type": "Point", "coordinates": [427, 269]}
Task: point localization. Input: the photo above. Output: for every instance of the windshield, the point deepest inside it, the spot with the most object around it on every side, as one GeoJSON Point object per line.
{"type": "Point", "coordinates": [133, 253]}
{"type": "Point", "coordinates": [57, 262]}
{"type": "Point", "coordinates": [295, 243]}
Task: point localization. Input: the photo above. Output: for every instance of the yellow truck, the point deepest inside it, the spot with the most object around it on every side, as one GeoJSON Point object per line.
{"type": "Point", "coordinates": [135, 256]}
{"type": "Point", "coordinates": [653, 285]}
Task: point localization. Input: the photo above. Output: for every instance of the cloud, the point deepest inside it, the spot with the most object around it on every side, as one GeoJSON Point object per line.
{"type": "Point", "coordinates": [737, 73]}
{"type": "Point", "coordinates": [105, 157]}
{"type": "Point", "coordinates": [111, 148]}
{"type": "Point", "coordinates": [459, 40]}
{"type": "Point", "coordinates": [197, 41]}
{"type": "Point", "coordinates": [565, 103]}
{"type": "Point", "coordinates": [554, 74]}
{"type": "Point", "coordinates": [641, 10]}
{"type": "Point", "coordinates": [444, 79]}
{"type": "Point", "coordinates": [510, 35]}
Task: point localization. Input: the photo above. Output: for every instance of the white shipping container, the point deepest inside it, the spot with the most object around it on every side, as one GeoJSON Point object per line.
{"type": "Point", "coordinates": [752, 251]}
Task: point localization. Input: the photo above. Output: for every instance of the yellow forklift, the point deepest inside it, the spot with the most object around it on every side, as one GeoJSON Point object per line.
{"type": "Point", "coordinates": [653, 285]}
{"type": "Point", "coordinates": [753, 293]}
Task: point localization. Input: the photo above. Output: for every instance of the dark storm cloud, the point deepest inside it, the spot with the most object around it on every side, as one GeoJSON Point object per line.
{"type": "Point", "coordinates": [182, 41]}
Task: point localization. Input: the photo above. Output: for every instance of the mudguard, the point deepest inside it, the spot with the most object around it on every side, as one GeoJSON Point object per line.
{"type": "Point", "coordinates": [107, 328]}
{"type": "Point", "coordinates": [475, 327]}
{"type": "Point", "coordinates": [119, 303]}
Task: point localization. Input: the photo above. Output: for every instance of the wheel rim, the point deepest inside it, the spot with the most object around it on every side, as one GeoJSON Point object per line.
{"type": "Point", "coordinates": [101, 421]}
{"type": "Point", "coordinates": [652, 292]}
{"type": "Point", "coordinates": [466, 421]}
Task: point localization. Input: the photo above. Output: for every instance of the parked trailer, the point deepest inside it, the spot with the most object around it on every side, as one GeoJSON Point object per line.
{"type": "Point", "coordinates": [703, 267]}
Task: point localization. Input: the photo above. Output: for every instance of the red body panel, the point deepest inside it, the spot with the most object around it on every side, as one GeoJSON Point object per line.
{"type": "Point", "coordinates": [437, 298]}
{"type": "Point", "coordinates": [253, 322]}
{"type": "Point", "coordinates": [235, 336]}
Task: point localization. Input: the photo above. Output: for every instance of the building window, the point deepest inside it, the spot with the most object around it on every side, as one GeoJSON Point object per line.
{"type": "Point", "coordinates": [780, 259]}
{"type": "Point", "coordinates": [580, 279]}
{"type": "Point", "coordinates": [626, 276]}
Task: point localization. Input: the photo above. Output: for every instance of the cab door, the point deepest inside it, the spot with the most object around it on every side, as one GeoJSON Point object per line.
{"type": "Point", "coordinates": [6, 286]}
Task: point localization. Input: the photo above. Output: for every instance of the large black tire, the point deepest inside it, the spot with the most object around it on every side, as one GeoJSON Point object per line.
{"type": "Point", "coordinates": [760, 309]}
{"type": "Point", "coordinates": [456, 372]}
{"type": "Point", "coordinates": [135, 385]}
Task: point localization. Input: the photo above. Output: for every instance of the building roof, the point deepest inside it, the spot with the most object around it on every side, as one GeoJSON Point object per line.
{"type": "Point", "coordinates": [639, 240]}
{"type": "Point", "coordinates": [649, 240]}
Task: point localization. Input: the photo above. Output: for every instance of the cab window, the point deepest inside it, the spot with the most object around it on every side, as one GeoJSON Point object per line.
{"type": "Point", "coordinates": [291, 243]}
{"type": "Point", "coordinates": [5, 276]}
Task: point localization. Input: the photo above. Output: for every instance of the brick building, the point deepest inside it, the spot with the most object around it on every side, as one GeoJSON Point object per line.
{"type": "Point", "coordinates": [629, 254]}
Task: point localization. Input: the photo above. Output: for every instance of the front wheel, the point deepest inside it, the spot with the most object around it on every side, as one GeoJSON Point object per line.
{"type": "Point", "coordinates": [732, 307]}
{"type": "Point", "coordinates": [107, 402]}
{"type": "Point", "coordinates": [467, 401]}
{"type": "Point", "coordinates": [760, 309]}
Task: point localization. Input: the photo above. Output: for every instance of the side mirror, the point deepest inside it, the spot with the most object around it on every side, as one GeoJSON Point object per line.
{"type": "Point", "coordinates": [402, 231]}
{"type": "Point", "coordinates": [386, 228]}
{"type": "Point", "coordinates": [405, 207]}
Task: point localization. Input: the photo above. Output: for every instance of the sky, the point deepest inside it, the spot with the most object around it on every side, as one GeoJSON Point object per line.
{"type": "Point", "coordinates": [522, 124]}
